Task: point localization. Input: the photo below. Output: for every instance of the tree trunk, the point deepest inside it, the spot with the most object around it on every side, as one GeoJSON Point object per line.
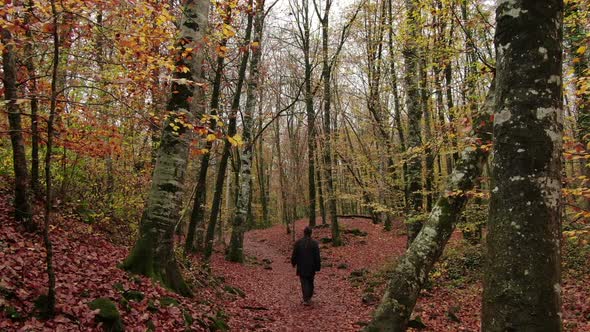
{"type": "Point", "coordinates": [32, 72]}
{"type": "Point", "coordinates": [319, 184]}
{"type": "Point", "coordinates": [328, 174]}
{"type": "Point", "coordinates": [153, 253]}
{"type": "Point", "coordinates": [424, 103]}
{"type": "Point", "coordinates": [196, 227]}
{"type": "Point", "coordinates": [304, 28]}
{"type": "Point", "coordinates": [414, 175]}
{"type": "Point", "coordinates": [49, 309]}
{"type": "Point", "coordinates": [227, 144]}
{"type": "Point", "coordinates": [522, 289]}
{"type": "Point", "coordinates": [282, 176]}
{"type": "Point", "coordinates": [244, 184]}
{"type": "Point", "coordinates": [22, 197]}
{"type": "Point", "coordinates": [411, 271]}
{"type": "Point", "coordinates": [397, 105]}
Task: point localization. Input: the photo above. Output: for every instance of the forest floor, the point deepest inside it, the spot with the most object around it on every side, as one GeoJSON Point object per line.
{"type": "Point", "coordinates": [352, 278]}
{"type": "Point", "coordinates": [263, 294]}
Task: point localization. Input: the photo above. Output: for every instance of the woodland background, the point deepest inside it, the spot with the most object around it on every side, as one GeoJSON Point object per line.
{"type": "Point", "coordinates": [332, 119]}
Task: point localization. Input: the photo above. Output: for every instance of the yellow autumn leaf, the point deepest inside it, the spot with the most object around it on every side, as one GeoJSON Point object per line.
{"type": "Point", "coordinates": [236, 140]}
{"type": "Point", "coordinates": [211, 137]}
{"type": "Point", "coordinates": [183, 69]}
{"type": "Point", "coordinates": [228, 31]}
{"type": "Point", "coordinates": [581, 50]}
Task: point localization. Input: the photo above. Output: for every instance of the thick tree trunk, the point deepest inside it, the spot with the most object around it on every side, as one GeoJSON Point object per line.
{"type": "Point", "coordinates": [414, 175]}
{"type": "Point", "coordinates": [411, 271]}
{"type": "Point", "coordinates": [153, 253]}
{"type": "Point", "coordinates": [22, 197]}
{"type": "Point", "coordinates": [522, 289]}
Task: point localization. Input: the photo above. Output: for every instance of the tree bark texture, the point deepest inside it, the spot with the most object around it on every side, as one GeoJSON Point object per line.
{"type": "Point", "coordinates": [522, 273]}
{"type": "Point", "coordinates": [414, 175]}
{"type": "Point", "coordinates": [153, 253]}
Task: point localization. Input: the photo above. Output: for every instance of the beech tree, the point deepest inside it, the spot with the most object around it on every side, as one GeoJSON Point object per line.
{"type": "Point", "coordinates": [412, 268]}
{"type": "Point", "coordinates": [522, 289]}
{"type": "Point", "coordinates": [414, 175]}
{"type": "Point", "coordinates": [153, 253]}
{"type": "Point", "coordinates": [245, 176]}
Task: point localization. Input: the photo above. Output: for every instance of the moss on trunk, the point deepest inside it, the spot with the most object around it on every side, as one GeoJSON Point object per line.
{"type": "Point", "coordinates": [153, 254]}
{"type": "Point", "coordinates": [411, 272]}
{"type": "Point", "coordinates": [522, 273]}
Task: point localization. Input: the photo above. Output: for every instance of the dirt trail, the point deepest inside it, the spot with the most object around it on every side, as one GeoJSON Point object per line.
{"type": "Point", "coordinates": [273, 295]}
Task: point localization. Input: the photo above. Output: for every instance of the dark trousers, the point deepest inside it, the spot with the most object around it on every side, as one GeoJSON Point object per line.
{"type": "Point", "coordinates": [307, 287]}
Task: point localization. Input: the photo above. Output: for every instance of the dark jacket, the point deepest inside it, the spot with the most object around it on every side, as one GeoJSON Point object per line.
{"type": "Point", "coordinates": [306, 256]}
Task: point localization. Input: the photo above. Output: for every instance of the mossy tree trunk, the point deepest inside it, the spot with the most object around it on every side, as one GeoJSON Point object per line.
{"type": "Point", "coordinates": [411, 271]}
{"type": "Point", "coordinates": [22, 196]}
{"type": "Point", "coordinates": [153, 253]}
{"type": "Point", "coordinates": [522, 271]}
{"type": "Point", "coordinates": [414, 174]}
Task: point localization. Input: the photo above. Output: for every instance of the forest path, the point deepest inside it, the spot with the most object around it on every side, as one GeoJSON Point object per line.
{"type": "Point", "coordinates": [273, 294]}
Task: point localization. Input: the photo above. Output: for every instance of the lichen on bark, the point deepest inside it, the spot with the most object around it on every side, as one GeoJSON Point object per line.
{"type": "Point", "coordinates": [523, 263]}
{"type": "Point", "coordinates": [411, 271]}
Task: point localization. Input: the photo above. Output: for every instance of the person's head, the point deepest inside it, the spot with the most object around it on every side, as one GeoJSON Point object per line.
{"type": "Point", "coordinates": [307, 231]}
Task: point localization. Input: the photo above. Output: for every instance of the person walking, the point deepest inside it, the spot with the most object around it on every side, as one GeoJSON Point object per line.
{"type": "Point", "coordinates": [306, 256]}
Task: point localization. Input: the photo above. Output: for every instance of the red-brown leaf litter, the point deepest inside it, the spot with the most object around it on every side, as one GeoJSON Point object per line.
{"type": "Point", "coordinates": [86, 268]}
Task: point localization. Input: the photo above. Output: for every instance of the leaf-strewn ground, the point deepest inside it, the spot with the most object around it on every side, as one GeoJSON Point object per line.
{"type": "Point", "coordinates": [263, 294]}
{"type": "Point", "coordinates": [85, 269]}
